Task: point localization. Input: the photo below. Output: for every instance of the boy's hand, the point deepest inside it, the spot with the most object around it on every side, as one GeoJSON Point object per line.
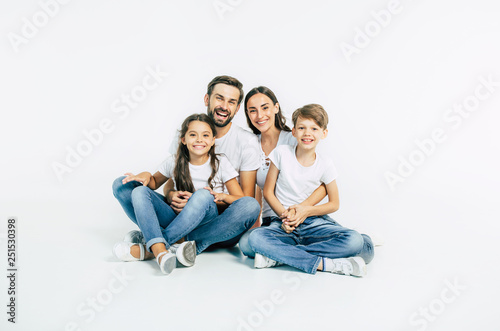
{"type": "Point", "coordinates": [179, 200]}
{"type": "Point", "coordinates": [143, 177]}
{"type": "Point", "coordinates": [219, 197]}
{"type": "Point", "coordinates": [298, 216]}
{"type": "Point", "coordinates": [286, 228]}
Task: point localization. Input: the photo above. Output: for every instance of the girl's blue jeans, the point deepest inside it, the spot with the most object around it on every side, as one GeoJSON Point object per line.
{"type": "Point", "coordinates": [316, 237]}
{"type": "Point", "coordinates": [199, 220]}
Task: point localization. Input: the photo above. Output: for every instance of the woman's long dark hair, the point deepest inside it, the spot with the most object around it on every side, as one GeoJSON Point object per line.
{"type": "Point", "coordinates": [279, 119]}
{"type": "Point", "coordinates": [183, 181]}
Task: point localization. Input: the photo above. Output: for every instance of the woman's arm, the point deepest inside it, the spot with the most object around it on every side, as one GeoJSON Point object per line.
{"type": "Point", "coordinates": [269, 186]}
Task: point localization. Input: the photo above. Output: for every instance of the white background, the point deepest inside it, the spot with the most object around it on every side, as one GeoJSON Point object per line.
{"type": "Point", "coordinates": [440, 223]}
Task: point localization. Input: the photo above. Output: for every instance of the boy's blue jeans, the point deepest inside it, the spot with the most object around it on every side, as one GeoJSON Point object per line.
{"type": "Point", "coordinates": [316, 237]}
{"type": "Point", "coordinates": [199, 220]}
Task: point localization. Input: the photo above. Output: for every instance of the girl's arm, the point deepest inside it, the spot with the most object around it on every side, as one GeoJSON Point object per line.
{"type": "Point", "coordinates": [235, 192]}
{"type": "Point", "coordinates": [151, 181]}
{"type": "Point", "coordinates": [269, 186]}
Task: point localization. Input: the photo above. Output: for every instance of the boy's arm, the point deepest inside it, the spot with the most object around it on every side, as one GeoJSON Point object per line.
{"type": "Point", "coordinates": [327, 208]}
{"type": "Point", "coordinates": [269, 186]}
{"type": "Point", "coordinates": [301, 210]}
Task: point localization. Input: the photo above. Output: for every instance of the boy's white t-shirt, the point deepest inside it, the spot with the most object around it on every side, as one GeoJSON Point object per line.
{"type": "Point", "coordinates": [241, 147]}
{"type": "Point", "coordinates": [295, 182]}
{"type": "Point", "coordinates": [285, 138]}
{"type": "Point", "coordinates": [201, 173]}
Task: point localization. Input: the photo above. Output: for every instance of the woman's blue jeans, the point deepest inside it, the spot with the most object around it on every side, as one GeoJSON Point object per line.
{"type": "Point", "coordinates": [199, 220]}
{"type": "Point", "coordinates": [316, 237]}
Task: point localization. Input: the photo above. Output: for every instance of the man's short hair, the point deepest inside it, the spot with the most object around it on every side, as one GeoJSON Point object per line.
{"type": "Point", "coordinates": [228, 80]}
{"type": "Point", "coordinates": [313, 112]}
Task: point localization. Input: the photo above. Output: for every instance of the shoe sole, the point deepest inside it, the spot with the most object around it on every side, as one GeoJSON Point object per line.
{"type": "Point", "coordinates": [168, 265]}
{"type": "Point", "coordinates": [359, 266]}
{"type": "Point", "coordinates": [186, 253]}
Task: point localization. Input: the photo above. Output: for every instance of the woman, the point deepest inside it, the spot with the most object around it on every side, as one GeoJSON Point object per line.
{"type": "Point", "coordinates": [264, 117]}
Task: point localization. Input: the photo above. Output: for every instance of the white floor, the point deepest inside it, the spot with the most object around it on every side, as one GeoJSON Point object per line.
{"type": "Point", "coordinates": [69, 280]}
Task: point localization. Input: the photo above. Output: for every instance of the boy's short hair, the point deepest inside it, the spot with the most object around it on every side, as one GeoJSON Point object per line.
{"type": "Point", "coordinates": [314, 112]}
{"type": "Point", "coordinates": [228, 80]}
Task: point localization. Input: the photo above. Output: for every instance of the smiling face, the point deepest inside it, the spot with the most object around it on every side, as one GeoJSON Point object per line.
{"type": "Point", "coordinates": [261, 112]}
{"type": "Point", "coordinates": [308, 133]}
{"type": "Point", "coordinates": [222, 104]}
{"type": "Point", "coordinates": [198, 138]}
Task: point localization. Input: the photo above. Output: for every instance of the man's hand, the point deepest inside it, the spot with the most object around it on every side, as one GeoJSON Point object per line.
{"type": "Point", "coordinates": [143, 177]}
{"type": "Point", "coordinates": [179, 200]}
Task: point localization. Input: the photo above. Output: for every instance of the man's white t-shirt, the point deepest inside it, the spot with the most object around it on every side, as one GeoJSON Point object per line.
{"type": "Point", "coordinates": [201, 173]}
{"type": "Point", "coordinates": [295, 182]}
{"type": "Point", "coordinates": [240, 146]}
{"type": "Point", "coordinates": [285, 138]}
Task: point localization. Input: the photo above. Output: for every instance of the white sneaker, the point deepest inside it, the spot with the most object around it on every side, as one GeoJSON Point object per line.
{"type": "Point", "coordinates": [167, 263]}
{"type": "Point", "coordinates": [122, 251]}
{"type": "Point", "coordinates": [185, 252]}
{"type": "Point", "coordinates": [135, 237]}
{"type": "Point", "coordinates": [351, 266]}
{"type": "Point", "coordinates": [262, 261]}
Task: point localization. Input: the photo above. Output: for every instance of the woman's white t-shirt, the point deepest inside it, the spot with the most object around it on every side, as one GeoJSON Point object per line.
{"type": "Point", "coordinates": [201, 173]}
{"type": "Point", "coordinates": [285, 138]}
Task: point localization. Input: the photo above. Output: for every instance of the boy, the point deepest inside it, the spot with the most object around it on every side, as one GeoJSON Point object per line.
{"type": "Point", "coordinates": [314, 241]}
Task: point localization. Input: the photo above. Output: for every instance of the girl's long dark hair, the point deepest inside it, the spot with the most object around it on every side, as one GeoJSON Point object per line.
{"type": "Point", "coordinates": [279, 119]}
{"type": "Point", "coordinates": [182, 177]}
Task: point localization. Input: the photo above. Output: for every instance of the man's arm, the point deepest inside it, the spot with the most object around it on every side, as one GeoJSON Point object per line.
{"type": "Point", "coordinates": [247, 182]}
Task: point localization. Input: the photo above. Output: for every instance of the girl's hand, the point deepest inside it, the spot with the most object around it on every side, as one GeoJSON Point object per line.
{"type": "Point", "coordinates": [179, 200]}
{"type": "Point", "coordinates": [219, 197]}
{"type": "Point", "coordinates": [143, 177]}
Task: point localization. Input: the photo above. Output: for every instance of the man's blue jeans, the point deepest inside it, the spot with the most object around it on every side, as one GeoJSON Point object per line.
{"type": "Point", "coordinates": [199, 220]}
{"type": "Point", "coordinates": [316, 237]}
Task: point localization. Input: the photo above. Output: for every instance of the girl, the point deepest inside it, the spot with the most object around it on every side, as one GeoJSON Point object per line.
{"type": "Point", "coordinates": [207, 180]}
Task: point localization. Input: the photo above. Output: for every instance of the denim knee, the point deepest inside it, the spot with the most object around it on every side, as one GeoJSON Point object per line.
{"type": "Point", "coordinates": [141, 192]}
{"type": "Point", "coordinates": [201, 197]}
{"type": "Point", "coordinates": [249, 206]}
{"type": "Point", "coordinates": [117, 185]}
{"type": "Point", "coordinates": [244, 244]}
{"type": "Point", "coordinates": [355, 243]}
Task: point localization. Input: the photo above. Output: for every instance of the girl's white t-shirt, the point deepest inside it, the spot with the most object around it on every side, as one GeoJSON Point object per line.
{"type": "Point", "coordinates": [295, 182]}
{"type": "Point", "coordinates": [201, 173]}
{"type": "Point", "coordinates": [285, 138]}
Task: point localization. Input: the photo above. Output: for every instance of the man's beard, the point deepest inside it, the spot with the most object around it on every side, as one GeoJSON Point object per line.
{"type": "Point", "coordinates": [218, 122]}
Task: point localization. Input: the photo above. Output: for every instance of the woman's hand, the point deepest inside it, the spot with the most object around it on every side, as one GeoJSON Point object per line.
{"type": "Point", "coordinates": [143, 177]}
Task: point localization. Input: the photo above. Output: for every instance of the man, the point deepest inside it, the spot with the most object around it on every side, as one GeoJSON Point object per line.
{"type": "Point", "coordinates": [223, 100]}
